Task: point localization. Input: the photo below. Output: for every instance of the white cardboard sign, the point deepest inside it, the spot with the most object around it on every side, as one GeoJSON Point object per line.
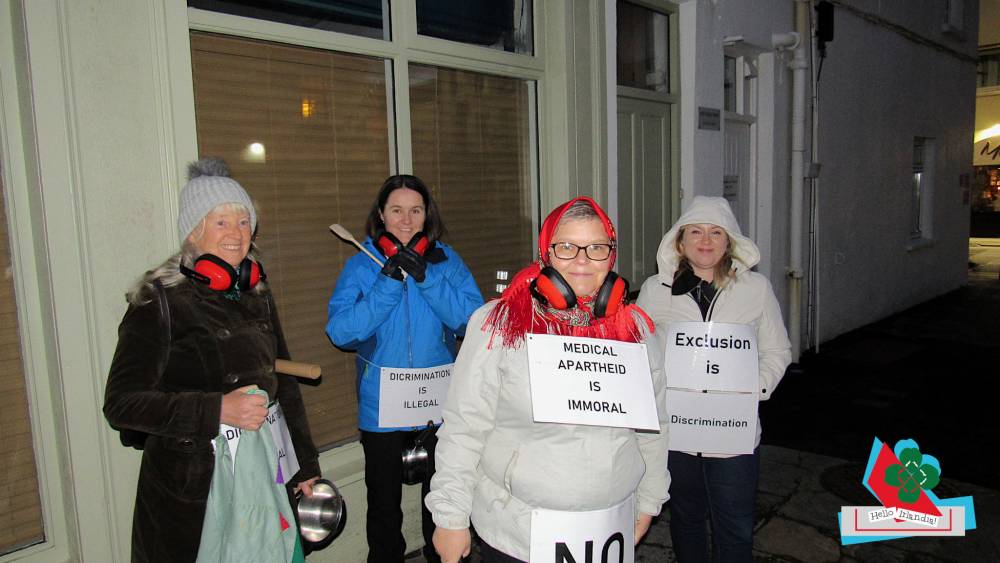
{"type": "Point", "coordinates": [711, 355]}
{"type": "Point", "coordinates": [599, 536]}
{"type": "Point", "coordinates": [412, 396]}
{"type": "Point", "coordinates": [288, 462]}
{"type": "Point", "coordinates": [591, 381]}
{"type": "Point", "coordinates": [719, 423]}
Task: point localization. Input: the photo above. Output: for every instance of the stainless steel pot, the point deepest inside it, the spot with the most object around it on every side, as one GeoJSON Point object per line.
{"type": "Point", "coordinates": [415, 457]}
{"type": "Point", "coordinates": [323, 515]}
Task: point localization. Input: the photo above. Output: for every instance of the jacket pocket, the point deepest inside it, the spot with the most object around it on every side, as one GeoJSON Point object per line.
{"type": "Point", "coordinates": [180, 467]}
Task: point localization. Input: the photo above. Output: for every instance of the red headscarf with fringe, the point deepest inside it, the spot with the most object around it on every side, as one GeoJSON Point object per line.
{"type": "Point", "coordinates": [516, 313]}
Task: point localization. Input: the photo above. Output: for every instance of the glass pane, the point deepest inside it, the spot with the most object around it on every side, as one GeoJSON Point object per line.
{"type": "Point", "coordinates": [472, 146]}
{"type": "Point", "coordinates": [306, 133]}
{"type": "Point", "coordinates": [357, 17]}
{"type": "Point", "coordinates": [729, 84]}
{"type": "Point", "coordinates": [20, 507]}
{"type": "Point", "coordinates": [643, 48]}
{"type": "Point", "coordinates": [505, 25]}
{"type": "Point", "coordinates": [915, 194]}
{"type": "Point", "coordinates": [987, 71]}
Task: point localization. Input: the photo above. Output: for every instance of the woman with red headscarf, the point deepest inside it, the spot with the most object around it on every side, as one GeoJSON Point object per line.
{"type": "Point", "coordinates": [499, 468]}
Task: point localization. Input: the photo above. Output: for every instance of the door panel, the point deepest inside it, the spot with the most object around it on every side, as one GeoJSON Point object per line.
{"type": "Point", "coordinates": [643, 185]}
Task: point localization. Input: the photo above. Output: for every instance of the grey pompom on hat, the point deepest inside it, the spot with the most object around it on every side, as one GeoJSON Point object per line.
{"type": "Point", "coordinates": [208, 187]}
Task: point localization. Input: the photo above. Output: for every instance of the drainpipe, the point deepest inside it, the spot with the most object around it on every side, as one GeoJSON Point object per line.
{"type": "Point", "coordinates": [798, 66]}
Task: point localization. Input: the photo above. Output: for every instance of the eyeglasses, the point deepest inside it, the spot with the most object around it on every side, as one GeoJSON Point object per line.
{"type": "Point", "coordinates": [569, 251]}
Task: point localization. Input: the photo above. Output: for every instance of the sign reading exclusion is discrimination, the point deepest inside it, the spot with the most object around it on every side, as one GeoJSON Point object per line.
{"type": "Point", "coordinates": [412, 396]}
{"type": "Point", "coordinates": [577, 380]}
{"type": "Point", "coordinates": [712, 379]}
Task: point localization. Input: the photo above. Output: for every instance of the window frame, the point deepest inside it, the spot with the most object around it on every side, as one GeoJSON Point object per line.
{"type": "Point", "coordinates": [404, 47]}
{"type": "Point", "coordinates": [921, 201]}
{"type": "Point", "coordinates": [33, 302]}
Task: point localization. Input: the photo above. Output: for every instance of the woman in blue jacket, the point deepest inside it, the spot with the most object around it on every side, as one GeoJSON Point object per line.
{"type": "Point", "coordinates": [399, 317]}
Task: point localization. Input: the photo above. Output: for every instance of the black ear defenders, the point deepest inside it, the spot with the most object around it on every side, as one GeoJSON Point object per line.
{"type": "Point", "coordinates": [389, 245]}
{"type": "Point", "coordinates": [219, 275]}
{"type": "Point", "coordinates": [552, 289]}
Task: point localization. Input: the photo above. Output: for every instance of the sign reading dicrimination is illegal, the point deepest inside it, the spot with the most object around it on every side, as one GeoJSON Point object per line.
{"type": "Point", "coordinates": [412, 396]}
{"type": "Point", "coordinates": [592, 381]}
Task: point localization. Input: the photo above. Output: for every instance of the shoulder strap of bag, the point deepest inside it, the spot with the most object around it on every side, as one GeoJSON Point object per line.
{"type": "Point", "coordinates": [161, 296]}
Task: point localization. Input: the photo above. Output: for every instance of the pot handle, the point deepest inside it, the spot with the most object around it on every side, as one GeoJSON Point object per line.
{"type": "Point", "coordinates": [423, 435]}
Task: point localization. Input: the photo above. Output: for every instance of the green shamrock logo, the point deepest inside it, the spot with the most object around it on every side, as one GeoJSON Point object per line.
{"type": "Point", "coordinates": [913, 475]}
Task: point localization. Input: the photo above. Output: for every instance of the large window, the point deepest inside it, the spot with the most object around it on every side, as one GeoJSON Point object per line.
{"type": "Point", "coordinates": [312, 133]}
{"type": "Point", "coordinates": [306, 132]}
{"type": "Point", "coordinates": [471, 142]}
{"type": "Point", "coordinates": [20, 511]}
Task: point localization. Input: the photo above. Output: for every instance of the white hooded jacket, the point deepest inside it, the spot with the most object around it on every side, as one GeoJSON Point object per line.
{"type": "Point", "coordinates": [495, 464]}
{"type": "Point", "coordinates": [746, 299]}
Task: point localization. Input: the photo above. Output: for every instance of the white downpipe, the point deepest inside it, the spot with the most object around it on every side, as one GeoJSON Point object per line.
{"type": "Point", "coordinates": [799, 66]}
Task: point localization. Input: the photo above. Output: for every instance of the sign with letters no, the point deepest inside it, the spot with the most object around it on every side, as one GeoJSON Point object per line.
{"type": "Point", "coordinates": [599, 536]}
{"type": "Point", "coordinates": [592, 381]}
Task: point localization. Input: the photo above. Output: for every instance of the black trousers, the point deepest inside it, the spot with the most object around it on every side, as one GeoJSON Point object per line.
{"type": "Point", "coordinates": [384, 480]}
{"type": "Point", "coordinates": [491, 554]}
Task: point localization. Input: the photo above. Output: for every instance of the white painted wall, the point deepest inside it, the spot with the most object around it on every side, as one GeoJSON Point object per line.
{"type": "Point", "coordinates": [878, 90]}
{"type": "Point", "coordinates": [705, 25]}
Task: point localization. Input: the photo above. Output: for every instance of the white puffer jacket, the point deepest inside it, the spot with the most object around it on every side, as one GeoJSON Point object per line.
{"type": "Point", "coordinates": [495, 464]}
{"type": "Point", "coordinates": [747, 299]}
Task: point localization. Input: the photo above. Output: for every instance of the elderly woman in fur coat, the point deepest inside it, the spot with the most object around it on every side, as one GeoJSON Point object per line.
{"type": "Point", "coordinates": [201, 330]}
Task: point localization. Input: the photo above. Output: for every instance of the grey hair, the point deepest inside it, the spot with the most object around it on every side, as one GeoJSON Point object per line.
{"type": "Point", "coordinates": [169, 274]}
{"type": "Point", "coordinates": [578, 211]}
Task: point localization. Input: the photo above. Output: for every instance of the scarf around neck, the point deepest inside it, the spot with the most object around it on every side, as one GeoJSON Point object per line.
{"type": "Point", "coordinates": [517, 313]}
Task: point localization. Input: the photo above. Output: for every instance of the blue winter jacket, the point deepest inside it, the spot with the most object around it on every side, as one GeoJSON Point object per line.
{"type": "Point", "coordinates": [398, 324]}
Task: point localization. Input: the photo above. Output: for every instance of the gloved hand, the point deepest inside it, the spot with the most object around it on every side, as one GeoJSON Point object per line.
{"type": "Point", "coordinates": [408, 261]}
{"type": "Point", "coordinates": [392, 269]}
{"type": "Point", "coordinates": [413, 263]}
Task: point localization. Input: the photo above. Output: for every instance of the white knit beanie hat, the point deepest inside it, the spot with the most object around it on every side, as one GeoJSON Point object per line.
{"type": "Point", "coordinates": [208, 187]}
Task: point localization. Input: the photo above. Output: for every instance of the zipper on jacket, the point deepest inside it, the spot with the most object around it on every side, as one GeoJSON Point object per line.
{"type": "Point", "coordinates": [409, 337]}
{"type": "Point", "coordinates": [711, 306]}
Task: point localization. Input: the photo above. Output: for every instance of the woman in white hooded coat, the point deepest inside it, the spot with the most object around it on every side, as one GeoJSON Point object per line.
{"type": "Point", "coordinates": [705, 275]}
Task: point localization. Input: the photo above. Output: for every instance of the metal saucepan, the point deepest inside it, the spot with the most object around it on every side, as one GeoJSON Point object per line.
{"type": "Point", "coordinates": [322, 516]}
{"type": "Point", "coordinates": [415, 457]}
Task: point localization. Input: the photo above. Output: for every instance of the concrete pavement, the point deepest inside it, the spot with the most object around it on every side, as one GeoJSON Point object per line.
{"type": "Point", "coordinates": [798, 498]}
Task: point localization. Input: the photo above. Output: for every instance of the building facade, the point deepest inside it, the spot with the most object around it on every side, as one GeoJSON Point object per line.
{"type": "Point", "coordinates": [852, 176]}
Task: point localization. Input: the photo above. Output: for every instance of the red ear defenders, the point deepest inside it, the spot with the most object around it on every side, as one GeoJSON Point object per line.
{"type": "Point", "coordinates": [389, 245]}
{"type": "Point", "coordinates": [553, 289]}
{"type": "Point", "coordinates": [219, 275]}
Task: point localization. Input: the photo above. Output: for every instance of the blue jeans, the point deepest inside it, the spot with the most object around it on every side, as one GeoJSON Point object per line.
{"type": "Point", "coordinates": [720, 489]}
